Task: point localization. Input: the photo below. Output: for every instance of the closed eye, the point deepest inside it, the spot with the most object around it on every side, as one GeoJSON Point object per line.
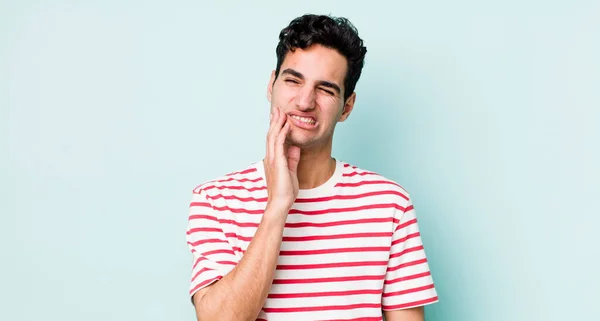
{"type": "Point", "coordinates": [329, 92]}
{"type": "Point", "coordinates": [292, 81]}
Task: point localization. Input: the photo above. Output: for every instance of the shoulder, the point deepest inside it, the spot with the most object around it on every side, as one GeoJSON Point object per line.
{"type": "Point", "coordinates": [245, 177]}
{"type": "Point", "coordinates": [372, 181]}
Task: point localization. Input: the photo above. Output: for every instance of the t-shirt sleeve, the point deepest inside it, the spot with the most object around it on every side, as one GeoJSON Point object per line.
{"type": "Point", "coordinates": [213, 255]}
{"type": "Point", "coordinates": [408, 282]}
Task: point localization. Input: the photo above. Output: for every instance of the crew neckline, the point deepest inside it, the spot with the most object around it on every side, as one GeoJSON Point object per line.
{"type": "Point", "coordinates": [321, 190]}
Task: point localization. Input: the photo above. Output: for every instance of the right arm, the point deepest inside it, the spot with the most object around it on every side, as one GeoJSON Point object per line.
{"type": "Point", "coordinates": [241, 294]}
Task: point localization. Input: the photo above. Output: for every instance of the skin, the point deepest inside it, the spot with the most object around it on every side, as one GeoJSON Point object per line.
{"type": "Point", "coordinates": [310, 84]}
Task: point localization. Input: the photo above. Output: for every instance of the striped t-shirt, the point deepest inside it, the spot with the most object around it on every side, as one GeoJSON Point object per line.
{"type": "Point", "coordinates": [351, 247]}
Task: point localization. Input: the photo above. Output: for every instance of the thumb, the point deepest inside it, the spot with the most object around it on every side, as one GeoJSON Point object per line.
{"type": "Point", "coordinates": [293, 158]}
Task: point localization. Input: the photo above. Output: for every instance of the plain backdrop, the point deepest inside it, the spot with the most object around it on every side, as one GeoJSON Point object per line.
{"type": "Point", "coordinates": [487, 112]}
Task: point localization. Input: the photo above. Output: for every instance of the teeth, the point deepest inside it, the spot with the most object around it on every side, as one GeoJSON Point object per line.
{"type": "Point", "coordinates": [304, 119]}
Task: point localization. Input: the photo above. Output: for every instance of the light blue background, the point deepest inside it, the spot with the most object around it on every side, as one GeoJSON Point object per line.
{"type": "Point", "coordinates": [113, 111]}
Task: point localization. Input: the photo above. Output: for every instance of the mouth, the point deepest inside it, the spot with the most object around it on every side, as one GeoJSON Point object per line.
{"type": "Point", "coordinates": [306, 120]}
{"type": "Point", "coordinates": [303, 122]}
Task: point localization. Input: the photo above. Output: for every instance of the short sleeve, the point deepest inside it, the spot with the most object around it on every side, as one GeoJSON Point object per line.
{"type": "Point", "coordinates": [213, 255]}
{"type": "Point", "coordinates": [408, 282]}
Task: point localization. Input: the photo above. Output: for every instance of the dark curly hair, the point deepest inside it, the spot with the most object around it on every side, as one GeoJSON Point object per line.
{"type": "Point", "coordinates": [331, 32]}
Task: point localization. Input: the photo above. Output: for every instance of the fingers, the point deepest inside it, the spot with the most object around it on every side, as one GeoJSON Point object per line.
{"type": "Point", "coordinates": [277, 123]}
{"type": "Point", "coordinates": [279, 145]}
{"type": "Point", "coordinates": [269, 147]}
{"type": "Point", "coordinates": [273, 120]}
{"type": "Point", "coordinates": [293, 158]}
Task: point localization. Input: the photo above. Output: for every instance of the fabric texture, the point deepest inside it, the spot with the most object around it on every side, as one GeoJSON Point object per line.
{"type": "Point", "coordinates": [351, 247]}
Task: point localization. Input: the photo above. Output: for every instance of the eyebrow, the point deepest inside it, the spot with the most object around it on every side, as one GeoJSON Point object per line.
{"type": "Point", "coordinates": [323, 83]}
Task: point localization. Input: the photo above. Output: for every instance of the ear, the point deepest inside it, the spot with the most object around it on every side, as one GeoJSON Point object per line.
{"type": "Point", "coordinates": [270, 86]}
{"type": "Point", "coordinates": [348, 106]}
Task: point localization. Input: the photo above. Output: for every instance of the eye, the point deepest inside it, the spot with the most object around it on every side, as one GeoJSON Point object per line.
{"type": "Point", "coordinates": [293, 81]}
{"type": "Point", "coordinates": [328, 92]}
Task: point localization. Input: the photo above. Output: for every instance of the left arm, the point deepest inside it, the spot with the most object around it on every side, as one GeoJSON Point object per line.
{"type": "Point", "coordinates": [412, 314]}
{"type": "Point", "coordinates": [408, 284]}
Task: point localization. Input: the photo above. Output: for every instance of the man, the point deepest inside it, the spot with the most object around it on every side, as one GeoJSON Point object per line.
{"type": "Point", "coordinates": [301, 235]}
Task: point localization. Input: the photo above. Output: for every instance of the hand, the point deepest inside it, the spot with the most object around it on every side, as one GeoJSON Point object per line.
{"type": "Point", "coordinates": [281, 164]}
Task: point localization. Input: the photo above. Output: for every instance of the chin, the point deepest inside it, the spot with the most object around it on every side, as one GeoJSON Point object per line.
{"type": "Point", "coordinates": [297, 142]}
{"type": "Point", "coordinates": [303, 141]}
{"type": "Point", "coordinates": [300, 140]}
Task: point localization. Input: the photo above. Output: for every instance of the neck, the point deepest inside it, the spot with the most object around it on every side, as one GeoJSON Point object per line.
{"type": "Point", "coordinates": [316, 166]}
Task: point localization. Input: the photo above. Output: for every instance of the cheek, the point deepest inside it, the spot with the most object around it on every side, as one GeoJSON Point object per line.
{"type": "Point", "coordinates": [331, 109]}
{"type": "Point", "coordinates": [283, 94]}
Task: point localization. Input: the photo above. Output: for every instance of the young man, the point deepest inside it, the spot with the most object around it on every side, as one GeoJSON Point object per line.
{"type": "Point", "coordinates": [300, 235]}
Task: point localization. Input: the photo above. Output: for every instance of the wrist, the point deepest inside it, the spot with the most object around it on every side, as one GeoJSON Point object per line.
{"type": "Point", "coordinates": [276, 211]}
{"type": "Point", "coordinates": [278, 205]}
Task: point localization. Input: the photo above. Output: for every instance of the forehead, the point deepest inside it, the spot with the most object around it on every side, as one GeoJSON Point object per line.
{"type": "Point", "coordinates": [317, 63]}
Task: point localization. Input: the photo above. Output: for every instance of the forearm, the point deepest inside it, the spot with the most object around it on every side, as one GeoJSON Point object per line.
{"type": "Point", "coordinates": [241, 294]}
{"type": "Point", "coordinates": [411, 314]}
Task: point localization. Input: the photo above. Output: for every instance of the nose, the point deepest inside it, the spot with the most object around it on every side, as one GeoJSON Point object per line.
{"type": "Point", "coordinates": [305, 98]}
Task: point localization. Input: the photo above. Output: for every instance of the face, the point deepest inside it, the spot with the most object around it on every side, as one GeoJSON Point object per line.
{"type": "Point", "coordinates": [310, 90]}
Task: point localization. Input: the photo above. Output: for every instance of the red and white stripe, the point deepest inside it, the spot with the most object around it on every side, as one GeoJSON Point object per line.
{"type": "Point", "coordinates": [350, 249]}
